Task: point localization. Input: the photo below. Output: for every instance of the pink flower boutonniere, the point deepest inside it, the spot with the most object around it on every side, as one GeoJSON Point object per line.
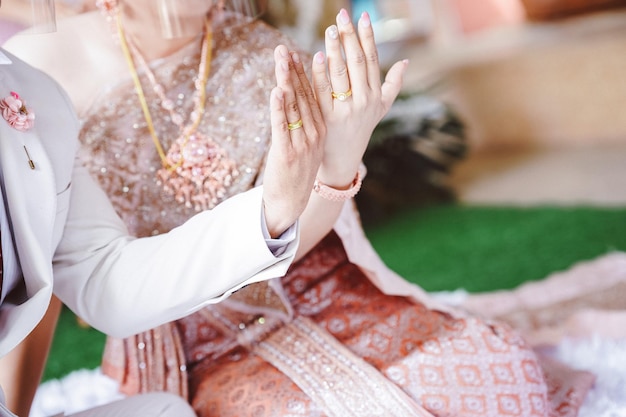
{"type": "Point", "coordinates": [15, 112]}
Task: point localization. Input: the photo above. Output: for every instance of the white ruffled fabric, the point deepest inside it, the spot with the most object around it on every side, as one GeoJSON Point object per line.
{"type": "Point", "coordinates": [78, 391]}
{"type": "Point", "coordinates": [607, 359]}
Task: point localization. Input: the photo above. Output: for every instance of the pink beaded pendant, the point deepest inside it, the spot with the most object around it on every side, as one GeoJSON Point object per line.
{"type": "Point", "coordinates": [202, 172]}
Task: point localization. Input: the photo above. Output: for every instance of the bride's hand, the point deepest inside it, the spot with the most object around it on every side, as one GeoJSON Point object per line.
{"type": "Point", "coordinates": [350, 94]}
{"type": "Point", "coordinates": [298, 137]}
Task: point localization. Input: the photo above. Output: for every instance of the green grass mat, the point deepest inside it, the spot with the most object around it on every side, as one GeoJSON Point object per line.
{"type": "Point", "coordinates": [441, 248]}
{"type": "Point", "coordinates": [73, 347]}
{"type": "Point", "coordinates": [486, 248]}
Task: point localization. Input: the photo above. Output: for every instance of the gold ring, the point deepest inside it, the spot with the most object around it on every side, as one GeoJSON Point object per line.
{"type": "Point", "coordinates": [294, 125]}
{"type": "Point", "coordinates": [342, 96]}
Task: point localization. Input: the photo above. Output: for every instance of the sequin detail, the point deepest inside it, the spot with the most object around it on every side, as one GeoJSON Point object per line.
{"type": "Point", "coordinates": [195, 169]}
{"type": "Point", "coordinates": [119, 153]}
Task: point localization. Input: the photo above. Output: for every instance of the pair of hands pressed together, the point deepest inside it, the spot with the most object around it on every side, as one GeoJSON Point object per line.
{"type": "Point", "coordinates": [334, 133]}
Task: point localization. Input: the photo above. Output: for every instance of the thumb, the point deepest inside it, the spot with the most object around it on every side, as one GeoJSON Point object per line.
{"type": "Point", "coordinates": [393, 82]}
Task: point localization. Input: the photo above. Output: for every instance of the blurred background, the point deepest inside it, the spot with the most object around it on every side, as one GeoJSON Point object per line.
{"type": "Point", "coordinates": [503, 160]}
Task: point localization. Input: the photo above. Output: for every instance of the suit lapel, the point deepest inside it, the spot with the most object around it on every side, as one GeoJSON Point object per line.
{"type": "Point", "coordinates": [31, 202]}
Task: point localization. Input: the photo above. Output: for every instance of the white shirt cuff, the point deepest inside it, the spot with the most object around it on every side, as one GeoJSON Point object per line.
{"type": "Point", "coordinates": [278, 245]}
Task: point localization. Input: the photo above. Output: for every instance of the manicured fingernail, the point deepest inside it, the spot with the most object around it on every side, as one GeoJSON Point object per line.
{"type": "Point", "coordinates": [343, 17]}
{"type": "Point", "coordinates": [319, 58]}
{"type": "Point", "coordinates": [365, 19]}
{"type": "Point", "coordinates": [332, 32]}
{"type": "Point", "coordinates": [295, 57]}
{"type": "Point", "coordinates": [282, 50]}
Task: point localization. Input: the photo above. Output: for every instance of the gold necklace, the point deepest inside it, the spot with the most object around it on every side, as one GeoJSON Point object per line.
{"type": "Point", "coordinates": [196, 170]}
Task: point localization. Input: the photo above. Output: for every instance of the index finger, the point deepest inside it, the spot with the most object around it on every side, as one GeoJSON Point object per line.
{"type": "Point", "coordinates": [308, 90]}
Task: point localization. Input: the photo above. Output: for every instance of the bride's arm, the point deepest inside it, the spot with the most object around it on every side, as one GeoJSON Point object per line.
{"type": "Point", "coordinates": [350, 120]}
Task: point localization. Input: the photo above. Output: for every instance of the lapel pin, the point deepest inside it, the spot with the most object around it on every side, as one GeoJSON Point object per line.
{"type": "Point", "coordinates": [31, 163]}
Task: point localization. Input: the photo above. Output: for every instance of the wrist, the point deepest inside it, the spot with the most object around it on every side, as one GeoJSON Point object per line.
{"type": "Point", "coordinates": [341, 193]}
{"type": "Point", "coordinates": [339, 176]}
{"type": "Point", "coordinates": [276, 221]}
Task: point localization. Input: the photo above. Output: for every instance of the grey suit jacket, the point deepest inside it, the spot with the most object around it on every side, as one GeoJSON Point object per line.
{"type": "Point", "coordinates": [64, 227]}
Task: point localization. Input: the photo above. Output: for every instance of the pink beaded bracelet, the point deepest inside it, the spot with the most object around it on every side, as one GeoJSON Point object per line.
{"type": "Point", "coordinates": [333, 194]}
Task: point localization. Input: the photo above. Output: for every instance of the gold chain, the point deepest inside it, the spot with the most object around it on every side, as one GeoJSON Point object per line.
{"type": "Point", "coordinates": [207, 50]}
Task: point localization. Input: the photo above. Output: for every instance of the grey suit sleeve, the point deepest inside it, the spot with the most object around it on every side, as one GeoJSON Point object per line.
{"type": "Point", "coordinates": [122, 285]}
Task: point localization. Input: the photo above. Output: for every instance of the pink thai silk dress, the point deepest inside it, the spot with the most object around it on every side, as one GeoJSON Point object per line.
{"type": "Point", "coordinates": [340, 334]}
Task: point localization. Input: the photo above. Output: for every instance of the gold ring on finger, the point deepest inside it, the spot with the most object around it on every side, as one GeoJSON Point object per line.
{"type": "Point", "coordinates": [295, 125]}
{"type": "Point", "coordinates": [342, 96]}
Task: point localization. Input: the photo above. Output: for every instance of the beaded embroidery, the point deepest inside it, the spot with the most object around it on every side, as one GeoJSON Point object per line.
{"type": "Point", "coordinates": [196, 170]}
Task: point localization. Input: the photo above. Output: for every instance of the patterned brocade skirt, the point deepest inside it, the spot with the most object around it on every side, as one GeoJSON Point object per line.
{"type": "Point", "coordinates": [327, 342]}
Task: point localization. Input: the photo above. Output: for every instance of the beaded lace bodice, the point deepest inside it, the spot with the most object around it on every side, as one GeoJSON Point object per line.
{"type": "Point", "coordinates": [120, 154]}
